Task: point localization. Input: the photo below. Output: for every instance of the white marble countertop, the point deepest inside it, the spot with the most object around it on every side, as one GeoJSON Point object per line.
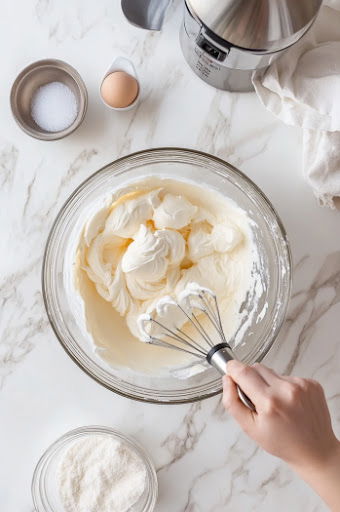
{"type": "Point", "coordinates": [204, 462]}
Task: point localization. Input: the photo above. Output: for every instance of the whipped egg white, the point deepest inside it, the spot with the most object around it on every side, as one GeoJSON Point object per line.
{"type": "Point", "coordinates": [150, 241]}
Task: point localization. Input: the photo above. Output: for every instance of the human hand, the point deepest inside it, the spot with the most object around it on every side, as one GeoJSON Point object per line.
{"type": "Point", "coordinates": [291, 421]}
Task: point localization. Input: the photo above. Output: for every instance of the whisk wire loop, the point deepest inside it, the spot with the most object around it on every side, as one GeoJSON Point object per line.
{"type": "Point", "coordinates": [171, 334]}
{"type": "Point", "coordinates": [217, 354]}
{"type": "Point", "coordinates": [164, 344]}
{"type": "Point", "coordinates": [192, 318]}
{"type": "Point", "coordinates": [213, 317]}
{"type": "Point", "coordinates": [185, 335]}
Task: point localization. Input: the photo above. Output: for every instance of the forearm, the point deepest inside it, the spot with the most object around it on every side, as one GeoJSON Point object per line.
{"type": "Point", "coordinates": [324, 478]}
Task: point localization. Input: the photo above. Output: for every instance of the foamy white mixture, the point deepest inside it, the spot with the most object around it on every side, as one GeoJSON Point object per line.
{"type": "Point", "coordinates": [152, 241]}
{"type": "Point", "coordinates": [99, 473]}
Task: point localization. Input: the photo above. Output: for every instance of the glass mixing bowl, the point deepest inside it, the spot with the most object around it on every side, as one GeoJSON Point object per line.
{"type": "Point", "coordinates": [45, 490]}
{"type": "Point", "coordinates": [269, 236]}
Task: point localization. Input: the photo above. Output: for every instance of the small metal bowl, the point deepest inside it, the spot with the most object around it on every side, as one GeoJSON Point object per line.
{"type": "Point", "coordinates": [34, 76]}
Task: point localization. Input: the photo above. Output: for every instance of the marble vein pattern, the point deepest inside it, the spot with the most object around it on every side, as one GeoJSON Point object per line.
{"type": "Point", "coordinates": [204, 462]}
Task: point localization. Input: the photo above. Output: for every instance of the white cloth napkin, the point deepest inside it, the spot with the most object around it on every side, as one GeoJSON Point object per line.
{"type": "Point", "coordinates": [302, 88]}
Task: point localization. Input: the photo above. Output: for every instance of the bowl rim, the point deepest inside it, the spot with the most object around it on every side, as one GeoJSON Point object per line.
{"type": "Point", "coordinates": [74, 75]}
{"type": "Point", "coordinates": [94, 430]}
{"type": "Point", "coordinates": [82, 185]}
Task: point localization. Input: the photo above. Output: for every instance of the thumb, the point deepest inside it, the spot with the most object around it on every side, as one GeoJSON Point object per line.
{"type": "Point", "coordinates": [233, 404]}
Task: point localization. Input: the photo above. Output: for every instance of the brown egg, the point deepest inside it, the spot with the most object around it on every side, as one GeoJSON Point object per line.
{"type": "Point", "coordinates": [119, 89]}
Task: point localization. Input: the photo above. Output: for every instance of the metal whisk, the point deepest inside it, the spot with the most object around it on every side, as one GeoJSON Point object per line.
{"type": "Point", "coordinates": [193, 298]}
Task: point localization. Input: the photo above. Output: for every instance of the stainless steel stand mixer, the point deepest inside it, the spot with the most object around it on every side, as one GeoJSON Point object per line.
{"type": "Point", "coordinates": [225, 41]}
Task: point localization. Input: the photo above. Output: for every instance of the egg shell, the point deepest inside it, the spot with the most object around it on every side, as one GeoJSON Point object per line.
{"type": "Point", "coordinates": [119, 89]}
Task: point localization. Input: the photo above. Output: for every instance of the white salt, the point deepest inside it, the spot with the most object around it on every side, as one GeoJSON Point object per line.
{"type": "Point", "coordinates": [54, 107]}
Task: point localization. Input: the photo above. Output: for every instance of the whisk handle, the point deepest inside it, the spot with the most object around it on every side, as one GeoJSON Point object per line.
{"type": "Point", "coordinates": [218, 358]}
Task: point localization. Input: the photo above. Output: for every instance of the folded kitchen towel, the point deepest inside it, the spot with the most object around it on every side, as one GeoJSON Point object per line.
{"type": "Point", "coordinates": [302, 88]}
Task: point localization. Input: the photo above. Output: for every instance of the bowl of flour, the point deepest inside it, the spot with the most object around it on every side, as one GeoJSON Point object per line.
{"type": "Point", "coordinates": [94, 468]}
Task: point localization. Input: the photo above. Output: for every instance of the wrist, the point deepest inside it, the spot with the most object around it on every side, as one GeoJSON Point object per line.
{"type": "Point", "coordinates": [315, 464]}
{"type": "Point", "coordinates": [323, 475]}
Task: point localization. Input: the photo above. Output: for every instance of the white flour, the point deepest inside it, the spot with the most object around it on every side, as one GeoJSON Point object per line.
{"type": "Point", "coordinates": [100, 474]}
